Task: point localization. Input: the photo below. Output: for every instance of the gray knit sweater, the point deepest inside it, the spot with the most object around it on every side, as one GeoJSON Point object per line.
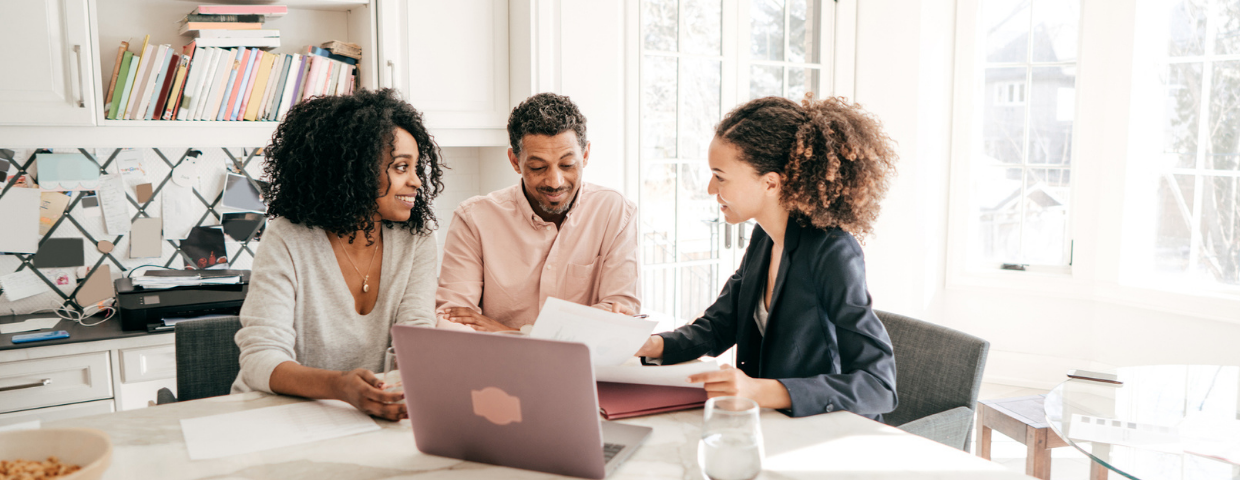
{"type": "Point", "coordinates": [299, 308]}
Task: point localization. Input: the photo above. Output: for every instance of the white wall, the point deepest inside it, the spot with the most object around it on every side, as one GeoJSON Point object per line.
{"type": "Point", "coordinates": [904, 75]}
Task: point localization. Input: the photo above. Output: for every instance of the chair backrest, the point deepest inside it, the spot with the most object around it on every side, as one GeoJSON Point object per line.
{"type": "Point", "coordinates": [208, 358]}
{"type": "Point", "coordinates": [937, 368]}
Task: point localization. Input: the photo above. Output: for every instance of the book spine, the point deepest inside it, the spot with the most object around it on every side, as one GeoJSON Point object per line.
{"type": "Point", "coordinates": [155, 111]}
{"type": "Point", "coordinates": [329, 87]}
{"type": "Point", "coordinates": [259, 87]}
{"type": "Point", "coordinates": [188, 27]}
{"type": "Point", "coordinates": [316, 64]}
{"type": "Point", "coordinates": [198, 67]}
{"type": "Point", "coordinates": [144, 71]}
{"type": "Point", "coordinates": [268, 10]}
{"type": "Point", "coordinates": [244, 99]}
{"type": "Point", "coordinates": [119, 112]}
{"type": "Point", "coordinates": [224, 59]}
{"type": "Point", "coordinates": [269, 89]}
{"type": "Point", "coordinates": [281, 84]}
{"type": "Point", "coordinates": [290, 89]}
{"type": "Point", "coordinates": [177, 93]}
{"type": "Point", "coordinates": [116, 73]}
{"type": "Point", "coordinates": [302, 76]}
{"type": "Point", "coordinates": [238, 83]}
{"type": "Point", "coordinates": [231, 85]}
{"type": "Point", "coordinates": [313, 50]}
{"type": "Point", "coordinates": [122, 77]}
{"type": "Point", "coordinates": [244, 18]}
{"type": "Point", "coordinates": [152, 75]}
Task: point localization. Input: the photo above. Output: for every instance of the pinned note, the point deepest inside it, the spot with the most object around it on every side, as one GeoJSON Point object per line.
{"type": "Point", "coordinates": [66, 171]}
{"type": "Point", "coordinates": [143, 192]}
{"type": "Point", "coordinates": [115, 205]}
{"type": "Point", "coordinates": [146, 238]}
{"type": "Point", "coordinates": [19, 220]}
{"type": "Point", "coordinates": [51, 207]}
{"type": "Point", "coordinates": [22, 284]}
{"type": "Point", "coordinates": [178, 218]}
{"type": "Point", "coordinates": [130, 161]}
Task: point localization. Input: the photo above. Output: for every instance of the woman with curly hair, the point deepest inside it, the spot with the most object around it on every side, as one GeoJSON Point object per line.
{"type": "Point", "coordinates": [797, 309]}
{"type": "Point", "coordinates": [348, 251]}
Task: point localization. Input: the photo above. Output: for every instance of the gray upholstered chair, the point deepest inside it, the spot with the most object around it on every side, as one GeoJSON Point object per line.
{"type": "Point", "coordinates": [938, 374]}
{"type": "Point", "coordinates": [208, 359]}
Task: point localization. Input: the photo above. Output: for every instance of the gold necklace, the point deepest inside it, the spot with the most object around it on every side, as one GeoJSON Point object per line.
{"type": "Point", "coordinates": [366, 277]}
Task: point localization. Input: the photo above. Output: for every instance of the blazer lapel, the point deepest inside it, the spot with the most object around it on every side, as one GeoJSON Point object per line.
{"type": "Point", "coordinates": [792, 237]}
{"type": "Point", "coordinates": [748, 339]}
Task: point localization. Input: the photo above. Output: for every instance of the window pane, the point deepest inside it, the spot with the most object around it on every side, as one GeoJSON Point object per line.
{"type": "Point", "coordinates": [658, 117]}
{"type": "Point", "coordinates": [703, 26]}
{"type": "Point", "coordinates": [1186, 27]}
{"type": "Point", "coordinates": [1047, 203]}
{"type": "Point", "coordinates": [804, 30]}
{"type": "Point", "coordinates": [698, 291]}
{"type": "Point", "coordinates": [700, 89]}
{"type": "Point", "coordinates": [1003, 120]}
{"type": "Point", "coordinates": [658, 214]}
{"type": "Point", "coordinates": [766, 29]}
{"type": "Point", "coordinates": [1055, 26]}
{"type": "Point", "coordinates": [1006, 25]}
{"type": "Point", "coordinates": [1228, 28]}
{"type": "Point", "coordinates": [1172, 236]}
{"type": "Point", "coordinates": [699, 223]}
{"type": "Point", "coordinates": [765, 81]}
{"type": "Point", "coordinates": [1183, 107]}
{"type": "Point", "coordinates": [658, 289]}
{"type": "Point", "coordinates": [801, 80]}
{"type": "Point", "coordinates": [998, 215]}
{"type": "Point", "coordinates": [1224, 153]}
{"type": "Point", "coordinates": [659, 25]}
{"type": "Point", "coordinates": [1052, 103]}
{"type": "Point", "coordinates": [1220, 229]}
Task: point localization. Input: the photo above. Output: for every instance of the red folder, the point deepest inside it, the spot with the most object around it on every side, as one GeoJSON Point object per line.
{"type": "Point", "coordinates": [624, 400]}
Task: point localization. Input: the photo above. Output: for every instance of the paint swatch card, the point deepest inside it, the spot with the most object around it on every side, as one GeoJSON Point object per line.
{"type": "Point", "coordinates": [146, 238]}
{"type": "Point", "coordinates": [66, 171]}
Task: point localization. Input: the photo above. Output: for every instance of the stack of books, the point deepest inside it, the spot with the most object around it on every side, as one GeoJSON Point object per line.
{"type": "Point", "coordinates": [233, 25]}
{"type": "Point", "coordinates": [211, 83]}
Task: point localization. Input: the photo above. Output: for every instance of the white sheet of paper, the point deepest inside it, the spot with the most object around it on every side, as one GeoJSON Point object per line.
{"type": "Point", "coordinates": [114, 204]}
{"type": "Point", "coordinates": [671, 375]}
{"type": "Point", "coordinates": [1119, 432]}
{"type": "Point", "coordinates": [29, 325]}
{"type": "Point", "coordinates": [19, 285]}
{"type": "Point", "coordinates": [130, 161]}
{"type": "Point", "coordinates": [612, 337]}
{"type": "Point", "coordinates": [178, 219]}
{"type": "Point", "coordinates": [19, 218]}
{"type": "Point", "coordinates": [268, 428]}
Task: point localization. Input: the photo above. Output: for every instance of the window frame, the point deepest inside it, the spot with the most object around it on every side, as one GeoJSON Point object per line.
{"type": "Point", "coordinates": [1103, 159]}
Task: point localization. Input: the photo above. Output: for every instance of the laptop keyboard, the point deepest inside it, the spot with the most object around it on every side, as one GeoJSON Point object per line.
{"type": "Point", "coordinates": [610, 450]}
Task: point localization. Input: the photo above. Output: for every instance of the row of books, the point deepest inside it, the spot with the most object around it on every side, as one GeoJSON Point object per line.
{"type": "Point", "coordinates": [212, 83]}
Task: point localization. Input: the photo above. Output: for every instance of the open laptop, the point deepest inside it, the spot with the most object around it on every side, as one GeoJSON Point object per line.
{"type": "Point", "coordinates": [508, 400]}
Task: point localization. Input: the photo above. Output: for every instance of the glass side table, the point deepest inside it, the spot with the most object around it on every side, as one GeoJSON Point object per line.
{"type": "Point", "coordinates": [1163, 422]}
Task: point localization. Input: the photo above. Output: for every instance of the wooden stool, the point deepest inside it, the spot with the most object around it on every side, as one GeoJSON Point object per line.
{"type": "Point", "coordinates": [1024, 419]}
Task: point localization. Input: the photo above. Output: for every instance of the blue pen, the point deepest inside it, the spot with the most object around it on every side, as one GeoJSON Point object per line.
{"type": "Point", "coordinates": [38, 337]}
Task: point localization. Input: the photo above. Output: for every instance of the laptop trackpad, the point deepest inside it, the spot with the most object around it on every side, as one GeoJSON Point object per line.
{"type": "Point", "coordinates": [628, 436]}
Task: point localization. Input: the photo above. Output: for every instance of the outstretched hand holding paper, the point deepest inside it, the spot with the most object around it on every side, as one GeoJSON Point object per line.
{"type": "Point", "coordinates": [612, 337]}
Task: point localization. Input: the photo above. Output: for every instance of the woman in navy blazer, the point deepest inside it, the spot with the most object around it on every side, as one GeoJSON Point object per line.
{"type": "Point", "coordinates": [797, 309]}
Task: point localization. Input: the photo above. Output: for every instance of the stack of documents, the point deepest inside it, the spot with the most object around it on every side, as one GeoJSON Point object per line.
{"type": "Point", "coordinates": [164, 279]}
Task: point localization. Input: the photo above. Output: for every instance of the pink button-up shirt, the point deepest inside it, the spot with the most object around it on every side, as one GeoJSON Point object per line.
{"type": "Point", "coordinates": [502, 258]}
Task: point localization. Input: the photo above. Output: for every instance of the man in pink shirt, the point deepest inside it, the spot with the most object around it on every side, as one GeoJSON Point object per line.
{"type": "Point", "coordinates": [551, 235]}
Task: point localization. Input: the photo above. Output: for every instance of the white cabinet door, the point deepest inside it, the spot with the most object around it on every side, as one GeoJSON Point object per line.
{"type": "Point", "coordinates": [450, 60]}
{"type": "Point", "coordinates": [47, 63]}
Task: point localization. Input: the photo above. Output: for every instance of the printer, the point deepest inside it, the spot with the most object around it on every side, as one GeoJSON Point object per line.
{"type": "Point", "coordinates": [184, 293]}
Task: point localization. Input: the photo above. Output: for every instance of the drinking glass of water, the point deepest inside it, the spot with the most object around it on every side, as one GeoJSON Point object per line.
{"type": "Point", "coordinates": [391, 376]}
{"type": "Point", "coordinates": [731, 446]}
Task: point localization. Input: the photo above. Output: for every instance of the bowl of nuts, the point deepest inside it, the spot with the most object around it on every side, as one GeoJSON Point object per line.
{"type": "Point", "coordinates": [60, 453]}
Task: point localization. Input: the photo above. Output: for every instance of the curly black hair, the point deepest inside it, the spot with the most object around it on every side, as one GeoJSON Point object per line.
{"type": "Point", "coordinates": [833, 157]}
{"type": "Point", "coordinates": [324, 163]}
{"type": "Point", "coordinates": [545, 114]}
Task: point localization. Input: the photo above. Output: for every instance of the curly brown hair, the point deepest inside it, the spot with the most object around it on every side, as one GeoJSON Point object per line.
{"type": "Point", "coordinates": [833, 158]}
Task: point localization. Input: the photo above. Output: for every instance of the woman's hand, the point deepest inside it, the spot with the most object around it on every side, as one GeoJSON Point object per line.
{"type": "Point", "coordinates": [729, 381]}
{"type": "Point", "coordinates": [653, 348]}
{"type": "Point", "coordinates": [479, 322]}
{"type": "Point", "coordinates": [360, 388]}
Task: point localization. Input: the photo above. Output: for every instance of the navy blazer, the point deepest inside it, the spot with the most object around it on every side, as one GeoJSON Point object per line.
{"type": "Point", "coordinates": [823, 341]}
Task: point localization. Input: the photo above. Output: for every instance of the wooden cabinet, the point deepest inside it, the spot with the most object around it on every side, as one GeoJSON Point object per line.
{"type": "Point", "coordinates": [47, 60]}
{"type": "Point", "coordinates": [450, 60]}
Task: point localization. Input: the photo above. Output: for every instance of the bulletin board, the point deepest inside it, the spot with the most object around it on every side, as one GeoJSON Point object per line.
{"type": "Point", "coordinates": [202, 200]}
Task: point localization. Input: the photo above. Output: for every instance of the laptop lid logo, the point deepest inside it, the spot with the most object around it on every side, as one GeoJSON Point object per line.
{"type": "Point", "coordinates": [496, 406]}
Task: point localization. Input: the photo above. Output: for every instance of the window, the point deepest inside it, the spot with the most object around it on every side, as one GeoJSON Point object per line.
{"type": "Point", "coordinates": [1187, 157]}
{"type": "Point", "coordinates": [691, 72]}
{"type": "Point", "coordinates": [1021, 166]}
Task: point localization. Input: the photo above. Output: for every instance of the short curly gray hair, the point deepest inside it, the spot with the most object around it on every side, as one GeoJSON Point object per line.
{"type": "Point", "coordinates": [545, 114]}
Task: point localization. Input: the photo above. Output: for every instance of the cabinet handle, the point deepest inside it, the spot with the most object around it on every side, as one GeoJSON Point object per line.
{"type": "Point", "coordinates": [391, 74]}
{"type": "Point", "coordinates": [40, 383]}
{"type": "Point", "coordinates": [77, 51]}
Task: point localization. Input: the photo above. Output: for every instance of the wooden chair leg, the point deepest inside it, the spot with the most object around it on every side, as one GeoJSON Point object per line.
{"type": "Point", "coordinates": [1097, 471]}
{"type": "Point", "coordinates": [1038, 457]}
{"type": "Point", "coordinates": [983, 441]}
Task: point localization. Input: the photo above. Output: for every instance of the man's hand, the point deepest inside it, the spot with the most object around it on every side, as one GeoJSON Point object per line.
{"type": "Point", "coordinates": [653, 348]}
{"type": "Point", "coordinates": [467, 316]}
{"type": "Point", "coordinates": [729, 381]}
{"type": "Point", "coordinates": [360, 388]}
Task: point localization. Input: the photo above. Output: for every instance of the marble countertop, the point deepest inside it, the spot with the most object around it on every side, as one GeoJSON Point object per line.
{"type": "Point", "coordinates": [148, 443]}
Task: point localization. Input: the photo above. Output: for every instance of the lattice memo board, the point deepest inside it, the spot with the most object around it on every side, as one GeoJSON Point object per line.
{"type": "Point", "coordinates": [87, 223]}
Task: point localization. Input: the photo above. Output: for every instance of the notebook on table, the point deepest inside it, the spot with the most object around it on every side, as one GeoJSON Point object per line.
{"type": "Point", "coordinates": [624, 400]}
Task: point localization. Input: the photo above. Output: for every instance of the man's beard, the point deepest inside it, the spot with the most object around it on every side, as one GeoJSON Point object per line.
{"type": "Point", "coordinates": [564, 206]}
